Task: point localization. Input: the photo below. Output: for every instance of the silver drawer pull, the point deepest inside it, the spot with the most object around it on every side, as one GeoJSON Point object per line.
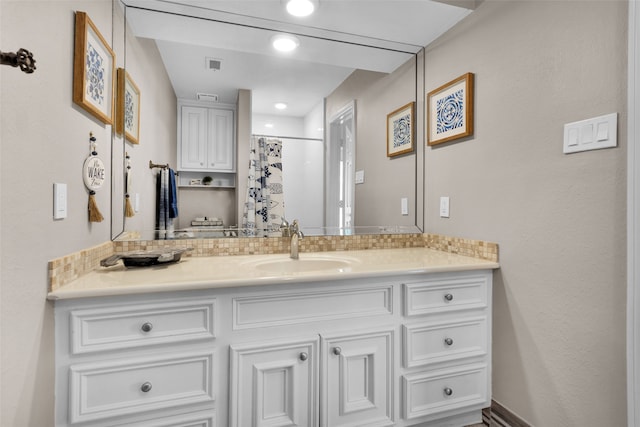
{"type": "Point", "coordinates": [147, 327]}
{"type": "Point", "coordinates": [303, 356]}
{"type": "Point", "coordinates": [448, 341]}
{"type": "Point", "coordinates": [337, 351]}
{"type": "Point", "coordinates": [448, 297]}
{"type": "Point", "coordinates": [146, 387]}
{"type": "Point", "coordinates": [448, 391]}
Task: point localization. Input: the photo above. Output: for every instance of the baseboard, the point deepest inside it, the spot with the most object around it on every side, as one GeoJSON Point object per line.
{"type": "Point", "coordinates": [499, 416]}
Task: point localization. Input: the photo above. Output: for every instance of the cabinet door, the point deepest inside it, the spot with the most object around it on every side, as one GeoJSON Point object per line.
{"type": "Point", "coordinates": [357, 380]}
{"type": "Point", "coordinates": [274, 384]}
{"type": "Point", "coordinates": [193, 141]}
{"type": "Point", "coordinates": [220, 141]}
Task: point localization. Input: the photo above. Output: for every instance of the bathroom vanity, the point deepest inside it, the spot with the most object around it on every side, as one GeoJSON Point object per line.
{"type": "Point", "coordinates": [398, 337]}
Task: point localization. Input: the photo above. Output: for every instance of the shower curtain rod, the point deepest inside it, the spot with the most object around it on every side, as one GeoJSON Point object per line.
{"type": "Point", "coordinates": [287, 137]}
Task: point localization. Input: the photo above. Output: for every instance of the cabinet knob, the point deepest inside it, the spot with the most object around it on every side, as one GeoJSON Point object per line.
{"type": "Point", "coordinates": [147, 327]}
{"type": "Point", "coordinates": [448, 341]}
{"type": "Point", "coordinates": [303, 356]}
{"type": "Point", "coordinates": [201, 164]}
{"type": "Point", "coordinates": [448, 297]}
{"type": "Point", "coordinates": [337, 351]}
{"type": "Point", "coordinates": [448, 391]}
{"type": "Point", "coordinates": [213, 164]}
{"type": "Point", "coordinates": [146, 387]}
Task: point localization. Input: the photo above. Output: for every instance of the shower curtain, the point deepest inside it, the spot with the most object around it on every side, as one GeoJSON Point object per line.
{"type": "Point", "coordinates": [264, 206]}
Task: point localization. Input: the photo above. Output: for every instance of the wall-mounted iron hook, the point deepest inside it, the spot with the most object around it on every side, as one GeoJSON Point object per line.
{"type": "Point", "coordinates": [23, 59]}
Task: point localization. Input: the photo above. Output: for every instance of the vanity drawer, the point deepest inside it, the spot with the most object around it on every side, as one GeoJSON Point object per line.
{"type": "Point", "coordinates": [104, 390]}
{"type": "Point", "coordinates": [111, 328]}
{"type": "Point", "coordinates": [259, 311]}
{"type": "Point", "coordinates": [437, 393]}
{"type": "Point", "coordinates": [444, 295]}
{"type": "Point", "coordinates": [436, 342]}
{"type": "Point", "coordinates": [197, 419]}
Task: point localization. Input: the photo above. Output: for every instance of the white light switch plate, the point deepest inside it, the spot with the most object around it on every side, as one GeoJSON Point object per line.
{"type": "Point", "coordinates": [359, 177]}
{"type": "Point", "coordinates": [591, 134]}
{"type": "Point", "coordinates": [59, 200]}
{"type": "Point", "coordinates": [404, 206]}
{"type": "Point", "coordinates": [444, 207]}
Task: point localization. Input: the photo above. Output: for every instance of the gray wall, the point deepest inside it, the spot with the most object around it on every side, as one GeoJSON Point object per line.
{"type": "Point", "coordinates": [44, 139]}
{"type": "Point", "coordinates": [559, 297]}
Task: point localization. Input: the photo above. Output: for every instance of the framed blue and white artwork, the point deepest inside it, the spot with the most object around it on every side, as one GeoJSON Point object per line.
{"type": "Point", "coordinates": [128, 108]}
{"type": "Point", "coordinates": [450, 111]}
{"type": "Point", "coordinates": [93, 70]}
{"type": "Point", "coordinates": [400, 125]}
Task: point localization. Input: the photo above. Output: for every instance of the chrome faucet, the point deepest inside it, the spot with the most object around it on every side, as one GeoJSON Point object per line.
{"type": "Point", "coordinates": [285, 228]}
{"type": "Point", "coordinates": [296, 235]}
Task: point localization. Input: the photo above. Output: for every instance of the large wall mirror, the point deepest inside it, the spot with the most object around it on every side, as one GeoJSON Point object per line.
{"type": "Point", "coordinates": [355, 63]}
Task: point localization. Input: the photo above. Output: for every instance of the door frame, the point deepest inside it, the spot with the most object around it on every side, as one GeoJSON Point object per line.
{"type": "Point", "coordinates": [633, 218]}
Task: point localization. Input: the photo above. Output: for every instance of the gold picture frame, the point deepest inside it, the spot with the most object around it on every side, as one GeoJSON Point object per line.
{"type": "Point", "coordinates": [450, 110]}
{"type": "Point", "coordinates": [128, 107]}
{"type": "Point", "coordinates": [400, 130]}
{"type": "Point", "coordinates": [93, 70]}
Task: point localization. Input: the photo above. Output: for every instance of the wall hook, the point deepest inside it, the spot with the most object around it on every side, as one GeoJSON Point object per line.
{"type": "Point", "coordinates": [23, 59]}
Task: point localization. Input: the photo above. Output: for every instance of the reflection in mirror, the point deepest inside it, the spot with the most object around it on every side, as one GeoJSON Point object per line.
{"type": "Point", "coordinates": [177, 50]}
{"type": "Point", "coordinates": [340, 161]}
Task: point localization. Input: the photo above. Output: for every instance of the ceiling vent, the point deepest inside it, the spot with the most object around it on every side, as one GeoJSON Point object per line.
{"type": "Point", "coordinates": [213, 64]}
{"type": "Point", "coordinates": [207, 97]}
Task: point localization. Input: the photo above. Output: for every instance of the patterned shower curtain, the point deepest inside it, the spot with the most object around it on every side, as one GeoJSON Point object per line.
{"type": "Point", "coordinates": [264, 206]}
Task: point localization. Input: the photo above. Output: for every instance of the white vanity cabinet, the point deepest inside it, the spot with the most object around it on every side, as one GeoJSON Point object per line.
{"type": "Point", "coordinates": [274, 383]}
{"type": "Point", "coordinates": [405, 350]}
{"type": "Point", "coordinates": [121, 362]}
{"type": "Point", "coordinates": [206, 140]}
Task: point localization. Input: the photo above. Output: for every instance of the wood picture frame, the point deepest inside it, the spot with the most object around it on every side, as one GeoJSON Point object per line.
{"type": "Point", "coordinates": [128, 107]}
{"type": "Point", "coordinates": [400, 130]}
{"type": "Point", "coordinates": [450, 110]}
{"type": "Point", "coordinates": [93, 70]}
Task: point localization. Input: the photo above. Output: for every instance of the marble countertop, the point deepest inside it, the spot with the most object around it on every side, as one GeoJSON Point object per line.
{"type": "Point", "coordinates": [253, 270]}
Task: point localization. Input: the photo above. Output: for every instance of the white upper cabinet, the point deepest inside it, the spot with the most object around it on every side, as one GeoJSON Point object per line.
{"type": "Point", "coordinates": [221, 146]}
{"type": "Point", "coordinates": [206, 139]}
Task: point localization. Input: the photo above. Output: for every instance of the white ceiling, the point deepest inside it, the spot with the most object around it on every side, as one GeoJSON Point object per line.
{"type": "Point", "coordinates": [342, 35]}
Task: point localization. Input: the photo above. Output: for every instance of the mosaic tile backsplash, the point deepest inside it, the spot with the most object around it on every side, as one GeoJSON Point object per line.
{"type": "Point", "coordinates": [68, 268]}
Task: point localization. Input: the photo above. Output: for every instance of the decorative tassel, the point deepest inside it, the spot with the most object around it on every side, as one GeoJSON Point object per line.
{"type": "Point", "coordinates": [94, 212]}
{"type": "Point", "coordinates": [128, 209]}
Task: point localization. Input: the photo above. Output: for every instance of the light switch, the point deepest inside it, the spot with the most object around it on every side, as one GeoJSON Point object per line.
{"type": "Point", "coordinates": [136, 202]}
{"type": "Point", "coordinates": [573, 137]}
{"type": "Point", "coordinates": [602, 132]}
{"type": "Point", "coordinates": [591, 134]}
{"type": "Point", "coordinates": [359, 177]}
{"type": "Point", "coordinates": [404, 206]}
{"type": "Point", "coordinates": [59, 200]}
{"type": "Point", "coordinates": [586, 133]}
{"type": "Point", "coordinates": [444, 207]}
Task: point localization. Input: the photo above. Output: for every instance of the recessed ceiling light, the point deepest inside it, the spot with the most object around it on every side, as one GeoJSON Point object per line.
{"type": "Point", "coordinates": [268, 125]}
{"type": "Point", "coordinates": [300, 7]}
{"type": "Point", "coordinates": [284, 42]}
{"type": "Point", "coordinates": [280, 106]}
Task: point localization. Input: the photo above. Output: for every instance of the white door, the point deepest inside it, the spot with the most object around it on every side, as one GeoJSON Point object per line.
{"type": "Point", "coordinates": [193, 138]}
{"type": "Point", "coordinates": [274, 384]}
{"type": "Point", "coordinates": [340, 167]}
{"type": "Point", "coordinates": [220, 156]}
{"type": "Point", "coordinates": [357, 380]}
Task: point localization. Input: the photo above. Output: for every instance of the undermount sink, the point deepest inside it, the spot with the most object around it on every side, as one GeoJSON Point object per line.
{"type": "Point", "coordinates": [288, 265]}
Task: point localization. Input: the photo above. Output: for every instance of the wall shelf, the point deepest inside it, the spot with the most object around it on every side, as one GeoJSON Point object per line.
{"type": "Point", "coordinates": [220, 180]}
